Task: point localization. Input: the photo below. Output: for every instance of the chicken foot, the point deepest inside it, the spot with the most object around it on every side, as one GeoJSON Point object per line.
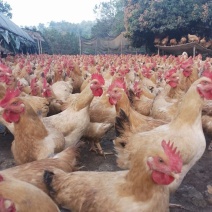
{"type": "Point", "coordinates": [172, 205]}
{"type": "Point", "coordinates": [96, 147]}
{"type": "Point", "coordinates": [101, 152]}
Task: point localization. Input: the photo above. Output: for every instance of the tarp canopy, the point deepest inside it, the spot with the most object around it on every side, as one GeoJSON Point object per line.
{"type": "Point", "coordinates": [191, 48]}
{"type": "Point", "coordinates": [13, 38]}
{"type": "Point", "coordinates": [7, 24]}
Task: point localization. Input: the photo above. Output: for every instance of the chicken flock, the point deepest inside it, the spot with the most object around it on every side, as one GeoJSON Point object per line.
{"type": "Point", "coordinates": [159, 106]}
{"type": "Point", "coordinates": [167, 41]}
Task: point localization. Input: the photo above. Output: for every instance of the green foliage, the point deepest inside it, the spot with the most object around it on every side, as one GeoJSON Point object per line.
{"type": "Point", "coordinates": [5, 8]}
{"type": "Point", "coordinates": [167, 17]}
{"type": "Point", "coordinates": [110, 19]}
{"type": "Point", "coordinates": [61, 42]}
{"type": "Point", "coordinates": [63, 37]}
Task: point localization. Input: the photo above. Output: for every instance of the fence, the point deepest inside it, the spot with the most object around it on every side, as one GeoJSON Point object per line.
{"type": "Point", "coordinates": [110, 45]}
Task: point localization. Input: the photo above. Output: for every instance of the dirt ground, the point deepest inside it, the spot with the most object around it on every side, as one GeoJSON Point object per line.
{"type": "Point", "coordinates": [194, 194]}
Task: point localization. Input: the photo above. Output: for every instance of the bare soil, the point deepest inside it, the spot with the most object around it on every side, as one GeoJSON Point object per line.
{"type": "Point", "coordinates": [193, 194]}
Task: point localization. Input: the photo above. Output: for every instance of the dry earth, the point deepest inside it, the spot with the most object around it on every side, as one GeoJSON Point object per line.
{"type": "Point", "coordinates": [193, 194]}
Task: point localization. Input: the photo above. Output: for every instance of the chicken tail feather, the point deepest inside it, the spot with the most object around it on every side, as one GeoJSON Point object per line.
{"type": "Point", "coordinates": [122, 123]}
{"type": "Point", "coordinates": [48, 178]}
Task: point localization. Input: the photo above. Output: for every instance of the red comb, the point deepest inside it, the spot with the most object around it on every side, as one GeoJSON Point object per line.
{"type": "Point", "coordinates": [187, 63]}
{"type": "Point", "coordinates": [136, 85]}
{"type": "Point", "coordinates": [170, 72]}
{"type": "Point", "coordinates": [207, 74]}
{"type": "Point", "coordinates": [174, 156]}
{"type": "Point", "coordinates": [45, 83]}
{"type": "Point", "coordinates": [98, 77]}
{"type": "Point", "coordinates": [118, 83]}
{"type": "Point", "coordinates": [5, 68]}
{"type": "Point", "coordinates": [10, 94]}
{"type": "Point", "coordinates": [33, 82]}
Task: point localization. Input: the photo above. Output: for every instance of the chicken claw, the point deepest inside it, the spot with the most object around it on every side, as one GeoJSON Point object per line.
{"type": "Point", "coordinates": [101, 152]}
{"type": "Point", "coordinates": [96, 147]}
{"type": "Point", "coordinates": [93, 148]}
{"type": "Point", "coordinates": [172, 205]}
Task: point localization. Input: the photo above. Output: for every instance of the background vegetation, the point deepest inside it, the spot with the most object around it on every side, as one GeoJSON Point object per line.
{"type": "Point", "coordinates": [142, 21]}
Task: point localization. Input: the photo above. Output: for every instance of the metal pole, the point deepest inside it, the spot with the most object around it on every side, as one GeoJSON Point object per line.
{"type": "Point", "coordinates": [80, 45]}
{"type": "Point", "coordinates": [194, 49]}
{"type": "Point", "coordinates": [96, 47]}
{"type": "Point", "coordinates": [121, 42]}
{"type": "Point", "coordinates": [41, 50]}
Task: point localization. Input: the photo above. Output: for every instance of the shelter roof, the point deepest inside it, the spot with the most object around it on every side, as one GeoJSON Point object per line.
{"type": "Point", "coordinates": [188, 47]}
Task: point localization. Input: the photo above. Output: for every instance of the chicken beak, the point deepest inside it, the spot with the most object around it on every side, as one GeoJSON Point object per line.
{"type": "Point", "coordinates": [175, 175]}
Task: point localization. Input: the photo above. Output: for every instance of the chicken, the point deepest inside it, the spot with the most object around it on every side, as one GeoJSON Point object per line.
{"type": "Point", "coordinates": [95, 133]}
{"type": "Point", "coordinates": [141, 98]}
{"type": "Point", "coordinates": [77, 77]}
{"type": "Point", "coordinates": [62, 90]}
{"type": "Point", "coordinates": [183, 40]}
{"type": "Point", "coordinates": [202, 41]}
{"type": "Point", "coordinates": [39, 104]}
{"type": "Point", "coordinates": [102, 119]}
{"type": "Point", "coordinates": [2, 91]}
{"type": "Point", "coordinates": [33, 138]}
{"type": "Point", "coordinates": [74, 120]}
{"type": "Point", "coordinates": [118, 97]}
{"type": "Point", "coordinates": [185, 130]}
{"type": "Point", "coordinates": [164, 41]}
{"type": "Point", "coordinates": [190, 73]}
{"type": "Point", "coordinates": [173, 42]}
{"type": "Point", "coordinates": [32, 172]}
{"type": "Point", "coordinates": [208, 44]}
{"type": "Point", "coordinates": [54, 101]}
{"type": "Point", "coordinates": [193, 38]}
{"type": "Point", "coordinates": [16, 195]}
{"type": "Point", "coordinates": [142, 188]}
{"type": "Point", "coordinates": [166, 102]}
{"type": "Point", "coordinates": [157, 41]}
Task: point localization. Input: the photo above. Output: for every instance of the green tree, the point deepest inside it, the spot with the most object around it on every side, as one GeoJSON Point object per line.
{"type": "Point", "coordinates": [61, 42]}
{"type": "Point", "coordinates": [63, 37]}
{"type": "Point", "coordinates": [5, 8]}
{"type": "Point", "coordinates": [145, 19]}
{"type": "Point", "coordinates": [110, 19]}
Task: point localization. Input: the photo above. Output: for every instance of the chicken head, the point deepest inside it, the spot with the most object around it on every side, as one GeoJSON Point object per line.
{"type": "Point", "coordinates": [205, 85]}
{"type": "Point", "coordinates": [114, 90]}
{"type": "Point", "coordinates": [165, 167]}
{"type": "Point", "coordinates": [172, 78]}
{"type": "Point", "coordinates": [12, 106]}
{"type": "Point", "coordinates": [97, 81]}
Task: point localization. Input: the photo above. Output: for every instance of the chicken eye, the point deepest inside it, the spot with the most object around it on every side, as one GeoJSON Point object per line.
{"type": "Point", "coordinates": [15, 103]}
{"type": "Point", "coordinates": [204, 82]}
{"type": "Point", "coordinates": [160, 160]}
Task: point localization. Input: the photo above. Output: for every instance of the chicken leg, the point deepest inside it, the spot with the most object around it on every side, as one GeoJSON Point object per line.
{"type": "Point", "coordinates": [96, 147]}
